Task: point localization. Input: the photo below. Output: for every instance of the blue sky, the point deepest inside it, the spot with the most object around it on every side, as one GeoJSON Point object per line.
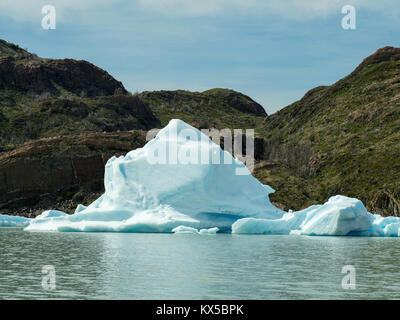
{"type": "Point", "coordinates": [273, 51]}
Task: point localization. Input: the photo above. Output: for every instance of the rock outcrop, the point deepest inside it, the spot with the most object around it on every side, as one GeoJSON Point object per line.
{"type": "Point", "coordinates": [26, 72]}
{"type": "Point", "coordinates": [186, 101]}
{"type": "Point", "coordinates": [381, 55]}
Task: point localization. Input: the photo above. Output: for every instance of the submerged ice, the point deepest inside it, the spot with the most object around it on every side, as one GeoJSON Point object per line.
{"type": "Point", "coordinates": [173, 184]}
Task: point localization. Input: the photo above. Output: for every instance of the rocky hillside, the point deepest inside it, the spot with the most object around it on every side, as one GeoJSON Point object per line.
{"type": "Point", "coordinates": [46, 97]}
{"type": "Point", "coordinates": [60, 120]}
{"type": "Point", "coordinates": [340, 139]}
{"type": "Point", "coordinates": [215, 108]}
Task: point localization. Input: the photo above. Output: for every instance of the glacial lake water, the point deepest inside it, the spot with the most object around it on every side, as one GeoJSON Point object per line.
{"type": "Point", "coordinates": [188, 266]}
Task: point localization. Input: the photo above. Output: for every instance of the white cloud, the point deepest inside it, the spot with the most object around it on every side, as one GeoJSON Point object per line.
{"type": "Point", "coordinates": [30, 10]}
{"type": "Point", "coordinates": [290, 9]}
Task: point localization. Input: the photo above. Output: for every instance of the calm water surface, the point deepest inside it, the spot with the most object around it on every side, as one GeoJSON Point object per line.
{"type": "Point", "coordinates": [186, 266]}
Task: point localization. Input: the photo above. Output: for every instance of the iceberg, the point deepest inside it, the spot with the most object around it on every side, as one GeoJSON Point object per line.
{"type": "Point", "coordinates": [173, 184]}
{"type": "Point", "coordinates": [13, 221]}
{"type": "Point", "coordinates": [172, 181]}
{"type": "Point", "coordinates": [339, 216]}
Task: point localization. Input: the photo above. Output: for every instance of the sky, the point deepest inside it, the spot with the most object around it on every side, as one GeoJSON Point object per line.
{"type": "Point", "coordinates": [273, 51]}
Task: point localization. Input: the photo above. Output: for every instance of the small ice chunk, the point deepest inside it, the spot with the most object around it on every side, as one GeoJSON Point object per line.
{"type": "Point", "coordinates": [209, 231]}
{"type": "Point", "coordinates": [338, 216]}
{"type": "Point", "coordinates": [184, 229]}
